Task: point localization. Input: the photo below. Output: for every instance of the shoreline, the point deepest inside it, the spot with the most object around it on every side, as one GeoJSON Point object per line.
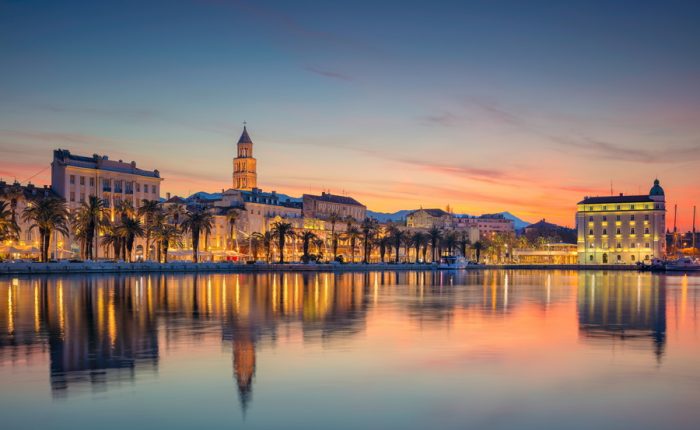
{"type": "Point", "coordinates": [188, 267]}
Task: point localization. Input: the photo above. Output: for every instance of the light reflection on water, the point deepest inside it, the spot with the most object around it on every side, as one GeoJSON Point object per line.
{"type": "Point", "coordinates": [493, 349]}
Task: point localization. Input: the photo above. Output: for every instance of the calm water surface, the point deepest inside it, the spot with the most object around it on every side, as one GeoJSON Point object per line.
{"type": "Point", "coordinates": [494, 349]}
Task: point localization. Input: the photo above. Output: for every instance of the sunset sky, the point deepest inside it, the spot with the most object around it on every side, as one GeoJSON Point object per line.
{"type": "Point", "coordinates": [487, 106]}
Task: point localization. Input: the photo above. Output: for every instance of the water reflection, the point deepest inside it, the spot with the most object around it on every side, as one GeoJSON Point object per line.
{"type": "Point", "coordinates": [612, 309]}
{"type": "Point", "coordinates": [100, 331]}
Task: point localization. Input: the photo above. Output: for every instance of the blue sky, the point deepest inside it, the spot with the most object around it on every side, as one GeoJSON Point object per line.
{"type": "Point", "coordinates": [486, 106]}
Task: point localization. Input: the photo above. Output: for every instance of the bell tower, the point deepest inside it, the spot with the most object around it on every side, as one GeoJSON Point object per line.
{"type": "Point", "coordinates": [245, 176]}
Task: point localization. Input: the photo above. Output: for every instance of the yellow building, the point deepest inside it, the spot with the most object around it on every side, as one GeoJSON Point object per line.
{"type": "Point", "coordinates": [622, 229]}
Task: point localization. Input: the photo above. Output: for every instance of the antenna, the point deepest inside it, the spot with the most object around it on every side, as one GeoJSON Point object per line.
{"type": "Point", "coordinates": [611, 188]}
{"type": "Point", "coordinates": [693, 230]}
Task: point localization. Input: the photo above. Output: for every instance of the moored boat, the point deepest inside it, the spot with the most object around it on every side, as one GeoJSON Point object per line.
{"type": "Point", "coordinates": [684, 264]}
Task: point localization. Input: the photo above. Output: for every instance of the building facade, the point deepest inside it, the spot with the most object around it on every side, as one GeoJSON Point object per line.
{"type": "Point", "coordinates": [428, 218]}
{"type": "Point", "coordinates": [323, 206]}
{"type": "Point", "coordinates": [75, 178]}
{"type": "Point", "coordinates": [622, 229]}
{"type": "Point", "coordinates": [245, 176]}
{"type": "Point", "coordinates": [488, 225]}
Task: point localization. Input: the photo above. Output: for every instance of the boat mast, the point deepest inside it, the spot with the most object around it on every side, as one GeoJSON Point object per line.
{"type": "Point", "coordinates": [675, 229]}
{"type": "Point", "coordinates": [694, 230]}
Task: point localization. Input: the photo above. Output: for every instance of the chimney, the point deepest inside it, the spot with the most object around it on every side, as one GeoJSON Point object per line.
{"type": "Point", "coordinates": [167, 196]}
{"type": "Point", "coordinates": [621, 194]}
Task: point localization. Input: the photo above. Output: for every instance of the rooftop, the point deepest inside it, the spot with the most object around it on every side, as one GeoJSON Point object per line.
{"type": "Point", "coordinates": [615, 199]}
{"type": "Point", "coordinates": [101, 162]}
{"type": "Point", "coordinates": [432, 212]}
{"type": "Point", "coordinates": [332, 198]}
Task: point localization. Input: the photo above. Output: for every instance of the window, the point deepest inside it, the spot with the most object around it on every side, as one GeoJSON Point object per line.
{"type": "Point", "coordinates": [82, 197]}
{"type": "Point", "coordinates": [646, 231]}
{"type": "Point", "coordinates": [617, 218]}
{"type": "Point", "coordinates": [138, 187]}
{"type": "Point", "coordinates": [590, 258]}
{"type": "Point", "coordinates": [590, 232]}
{"type": "Point", "coordinates": [632, 257]}
{"type": "Point", "coordinates": [618, 231]}
{"type": "Point", "coordinates": [590, 219]}
{"type": "Point", "coordinates": [117, 186]}
{"type": "Point", "coordinates": [632, 230]}
{"type": "Point", "coordinates": [72, 179]}
{"type": "Point", "coordinates": [657, 206]}
{"type": "Point", "coordinates": [605, 231]}
{"type": "Point", "coordinates": [605, 218]}
{"type": "Point", "coordinates": [591, 246]}
{"type": "Point", "coordinates": [619, 258]}
{"type": "Point", "coordinates": [72, 196]}
{"type": "Point", "coordinates": [604, 208]}
{"type": "Point", "coordinates": [145, 188]}
{"type": "Point", "coordinates": [632, 245]}
{"type": "Point", "coordinates": [619, 246]}
{"type": "Point", "coordinates": [92, 182]}
{"type": "Point", "coordinates": [646, 217]}
{"type": "Point", "coordinates": [106, 185]}
{"type": "Point", "coordinates": [632, 207]}
{"type": "Point", "coordinates": [618, 207]}
{"type": "Point", "coordinates": [646, 245]}
{"type": "Point", "coordinates": [82, 180]}
{"type": "Point", "coordinates": [631, 217]}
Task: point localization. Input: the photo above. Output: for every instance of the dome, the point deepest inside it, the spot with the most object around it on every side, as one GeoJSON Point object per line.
{"type": "Point", "coordinates": [656, 190]}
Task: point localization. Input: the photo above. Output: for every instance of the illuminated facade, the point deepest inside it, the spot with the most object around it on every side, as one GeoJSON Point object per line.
{"type": "Point", "coordinates": [622, 229]}
{"type": "Point", "coordinates": [326, 204]}
{"type": "Point", "coordinates": [245, 176]}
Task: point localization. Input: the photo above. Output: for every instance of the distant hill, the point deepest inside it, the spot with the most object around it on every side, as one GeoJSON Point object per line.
{"type": "Point", "coordinates": [518, 223]}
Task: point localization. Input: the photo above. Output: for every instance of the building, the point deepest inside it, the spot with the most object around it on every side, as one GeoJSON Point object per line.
{"type": "Point", "coordinates": [245, 176]}
{"type": "Point", "coordinates": [428, 218]}
{"type": "Point", "coordinates": [544, 229]}
{"type": "Point", "coordinates": [323, 206]}
{"type": "Point", "coordinates": [622, 229]}
{"type": "Point", "coordinates": [487, 224]}
{"type": "Point", "coordinates": [551, 253]}
{"type": "Point", "coordinates": [75, 178]}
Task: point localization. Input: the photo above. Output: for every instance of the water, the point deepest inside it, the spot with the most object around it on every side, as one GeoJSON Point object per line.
{"type": "Point", "coordinates": [493, 349]}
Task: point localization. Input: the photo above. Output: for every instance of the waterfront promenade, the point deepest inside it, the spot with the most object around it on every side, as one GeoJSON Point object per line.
{"type": "Point", "coordinates": [63, 267]}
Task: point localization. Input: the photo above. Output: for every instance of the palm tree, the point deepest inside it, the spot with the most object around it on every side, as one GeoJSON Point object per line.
{"type": "Point", "coordinates": [352, 234]}
{"type": "Point", "coordinates": [149, 211]}
{"type": "Point", "coordinates": [231, 217]}
{"type": "Point", "coordinates": [478, 247]}
{"type": "Point", "coordinates": [129, 230]}
{"type": "Point", "coordinates": [90, 217]}
{"type": "Point", "coordinates": [176, 213]}
{"type": "Point", "coordinates": [266, 240]}
{"type": "Point", "coordinates": [418, 240]}
{"type": "Point", "coordinates": [282, 231]}
{"type": "Point", "coordinates": [318, 243]}
{"type": "Point", "coordinates": [197, 221]}
{"type": "Point", "coordinates": [307, 236]}
{"type": "Point", "coordinates": [8, 226]}
{"type": "Point", "coordinates": [14, 194]}
{"type": "Point", "coordinates": [449, 242]}
{"type": "Point", "coordinates": [383, 242]}
{"type": "Point", "coordinates": [463, 242]}
{"type": "Point", "coordinates": [48, 215]}
{"type": "Point", "coordinates": [369, 228]}
{"type": "Point", "coordinates": [333, 218]}
{"type": "Point", "coordinates": [397, 236]}
{"type": "Point", "coordinates": [125, 209]}
{"type": "Point", "coordinates": [111, 238]}
{"type": "Point", "coordinates": [434, 235]}
{"type": "Point", "coordinates": [167, 235]}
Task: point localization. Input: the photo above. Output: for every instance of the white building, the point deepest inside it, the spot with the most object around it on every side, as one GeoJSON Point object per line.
{"type": "Point", "coordinates": [76, 178]}
{"type": "Point", "coordinates": [622, 229]}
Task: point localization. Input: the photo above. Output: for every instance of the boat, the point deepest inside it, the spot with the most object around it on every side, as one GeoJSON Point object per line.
{"type": "Point", "coordinates": [656, 265]}
{"type": "Point", "coordinates": [683, 264]}
{"type": "Point", "coordinates": [453, 262]}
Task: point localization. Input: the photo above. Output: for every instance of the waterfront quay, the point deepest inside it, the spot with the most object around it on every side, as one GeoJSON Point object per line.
{"type": "Point", "coordinates": [63, 267]}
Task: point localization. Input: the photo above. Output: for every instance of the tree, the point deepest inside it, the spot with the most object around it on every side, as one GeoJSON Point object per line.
{"type": "Point", "coordinates": [197, 221]}
{"type": "Point", "coordinates": [129, 229]}
{"type": "Point", "coordinates": [232, 216]}
{"type": "Point", "coordinates": [48, 215]}
{"type": "Point", "coordinates": [434, 236]}
{"type": "Point", "coordinates": [89, 218]}
{"type": "Point", "coordinates": [307, 236]}
{"type": "Point", "coordinates": [449, 242]}
{"type": "Point", "coordinates": [8, 226]}
{"type": "Point", "coordinates": [478, 247]}
{"type": "Point", "coordinates": [384, 243]}
{"type": "Point", "coordinates": [111, 239]}
{"type": "Point", "coordinates": [176, 213]}
{"type": "Point", "coordinates": [397, 237]}
{"type": "Point", "coordinates": [418, 240]}
{"type": "Point", "coordinates": [149, 211]}
{"type": "Point", "coordinates": [282, 231]}
{"type": "Point", "coordinates": [352, 234]}
{"type": "Point", "coordinates": [333, 218]}
{"type": "Point", "coordinates": [14, 194]}
{"type": "Point", "coordinates": [463, 242]}
{"type": "Point", "coordinates": [369, 228]}
{"type": "Point", "coordinates": [167, 235]}
{"type": "Point", "coordinates": [266, 240]}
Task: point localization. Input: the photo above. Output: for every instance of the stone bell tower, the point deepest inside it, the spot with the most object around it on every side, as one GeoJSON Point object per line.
{"type": "Point", "coordinates": [245, 176]}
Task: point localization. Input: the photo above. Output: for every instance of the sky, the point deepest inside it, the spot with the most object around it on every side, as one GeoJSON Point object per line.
{"type": "Point", "coordinates": [485, 106]}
